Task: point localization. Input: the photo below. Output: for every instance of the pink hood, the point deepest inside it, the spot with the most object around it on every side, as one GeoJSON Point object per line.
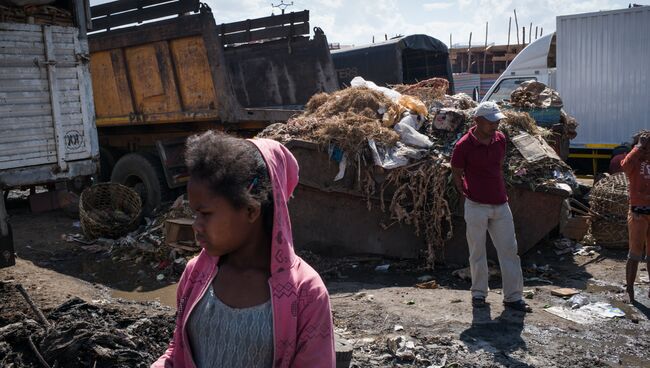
{"type": "Point", "coordinates": [302, 320]}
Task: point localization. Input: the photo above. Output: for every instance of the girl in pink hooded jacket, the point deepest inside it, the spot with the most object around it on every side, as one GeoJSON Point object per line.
{"type": "Point", "coordinates": [247, 299]}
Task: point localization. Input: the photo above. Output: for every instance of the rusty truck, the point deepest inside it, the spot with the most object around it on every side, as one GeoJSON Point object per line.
{"type": "Point", "coordinates": [157, 82]}
{"type": "Point", "coordinates": [48, 134]}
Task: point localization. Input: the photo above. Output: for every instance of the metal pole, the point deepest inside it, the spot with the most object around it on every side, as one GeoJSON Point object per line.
{"type": "Point", "coordinates": [508, 47]}
{"type": "Point", "coordinates": [485, 48]}
{"type": "Point", "coordinates": [536, 32]}
{"type": "Point", "coordinates": [469, 54]}
{"type": "Point", "coordinates": [517, 27]}
{"type": "Point", "coordinates": [523, 35]}
{"type": "Point", "coordinates": [530, 32]}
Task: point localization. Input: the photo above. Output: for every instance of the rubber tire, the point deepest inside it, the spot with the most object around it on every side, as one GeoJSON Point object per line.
{"type": "Point", "coordinates": [148, 169]}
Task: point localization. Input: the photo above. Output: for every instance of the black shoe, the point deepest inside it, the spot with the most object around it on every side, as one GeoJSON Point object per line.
{"type": "Point", "coordinates": [519, 305]}
{"type": "Point", "coordinates": [479, 302]}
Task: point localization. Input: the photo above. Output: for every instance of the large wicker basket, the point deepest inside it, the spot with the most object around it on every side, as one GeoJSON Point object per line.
{"type": "Point", "coordinates": [109, 210]}
{"type": "Point", "coordinates": [610, 199]}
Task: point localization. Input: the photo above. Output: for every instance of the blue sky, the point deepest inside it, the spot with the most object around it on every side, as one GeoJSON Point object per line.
{"type": "Point", "coordinates": [356, 22]}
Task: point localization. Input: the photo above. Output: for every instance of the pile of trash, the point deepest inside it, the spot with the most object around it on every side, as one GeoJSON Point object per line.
{"type": "Point", "coordinates": [147, 242]}
{"type": "Point", "coordinates": [409, 132]}
{"type": "Point", "coordinates": [532, 93]}
{"type": "Point", "coordinates": [79, 334]}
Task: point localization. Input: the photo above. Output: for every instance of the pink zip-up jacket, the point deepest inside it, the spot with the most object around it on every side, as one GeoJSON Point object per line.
{"type": "Point", "coordinates": [302, 320]}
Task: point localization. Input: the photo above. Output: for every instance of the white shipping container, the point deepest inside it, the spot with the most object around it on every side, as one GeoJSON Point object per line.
{"type": "Point", "coordinates": [603, 74]}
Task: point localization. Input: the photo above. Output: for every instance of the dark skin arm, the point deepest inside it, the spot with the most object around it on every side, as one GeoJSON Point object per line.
{"type": "Point", "coordinates": [457, 175]}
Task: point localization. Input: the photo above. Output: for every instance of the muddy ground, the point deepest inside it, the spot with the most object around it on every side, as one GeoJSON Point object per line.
{"type": "Point", "coordinates": [387, 321]}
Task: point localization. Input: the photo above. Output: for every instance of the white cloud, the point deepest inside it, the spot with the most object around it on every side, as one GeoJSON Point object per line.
{"type": "Point", "coordinates": [437, 6]}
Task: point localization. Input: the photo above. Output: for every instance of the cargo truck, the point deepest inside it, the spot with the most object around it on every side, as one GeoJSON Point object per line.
{"type": "Point", "coordinates": [158, 82]}
{"type": "Point", "coordinates": [598, 62]}
{"type": "Point", "coordinates": [47, 118]}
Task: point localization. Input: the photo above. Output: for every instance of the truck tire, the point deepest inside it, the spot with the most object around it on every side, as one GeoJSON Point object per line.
{"type": "Point", "coordinates": [144, 173]}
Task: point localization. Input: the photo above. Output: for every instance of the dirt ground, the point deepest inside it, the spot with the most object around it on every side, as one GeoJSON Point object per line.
{"type": "Point", "coordinates": [388, 321]}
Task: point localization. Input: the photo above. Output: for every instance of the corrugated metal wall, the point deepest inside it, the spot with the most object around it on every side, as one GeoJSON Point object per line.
{"type": "Point", "coordinates": [29, 134]}
{"type": "Point", "coordinates": [603, 73]}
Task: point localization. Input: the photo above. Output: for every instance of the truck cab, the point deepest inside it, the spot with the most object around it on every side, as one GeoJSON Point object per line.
{"type": "Point", "coordinates": [536, 61]}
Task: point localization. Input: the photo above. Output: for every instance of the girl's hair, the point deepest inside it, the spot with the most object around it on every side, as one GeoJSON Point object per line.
{"type": "Point", "coordinates": [637, 136]}
{"type": "Point", "coordinates": [233, 168]}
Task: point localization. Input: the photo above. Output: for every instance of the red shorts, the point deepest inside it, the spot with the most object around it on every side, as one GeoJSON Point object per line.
{"type": "Point", "coordinates": [638, 227]}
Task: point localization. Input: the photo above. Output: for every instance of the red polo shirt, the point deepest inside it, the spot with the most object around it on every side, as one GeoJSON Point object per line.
{"type": "Point", "coordinates": [483, 181]}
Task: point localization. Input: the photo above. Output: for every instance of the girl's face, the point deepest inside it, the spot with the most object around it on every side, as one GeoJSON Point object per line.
{"type": "Point", "coordinates": [219, 227]}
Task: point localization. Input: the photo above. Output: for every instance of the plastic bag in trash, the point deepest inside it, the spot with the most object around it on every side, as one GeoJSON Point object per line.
{"type": "Point", "coordinates": [390, 93]}
{"type": "Point", "coordinates": [413, 104]}
{"type": "Point", "coordinates": [577, 301]}
{"type": "Point", "coordinates": [407, 129]}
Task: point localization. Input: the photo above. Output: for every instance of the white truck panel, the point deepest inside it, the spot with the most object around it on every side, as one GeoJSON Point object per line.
{"type": "Point", "coordinates": [603, 73]}
{"type": "Point", "coordinates": [46, 112]}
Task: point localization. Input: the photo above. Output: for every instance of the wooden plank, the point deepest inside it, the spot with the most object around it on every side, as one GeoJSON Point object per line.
{"type": "Point", "coordinates": [36, 96]}
{"type": "Point", "coordinates": [125, 5]}
{"type": "Point", "coordinates": [20, 27]}
{"type": "Point", "coordinates": [33, 73]}
{"type": "Point", "coordinates": [271, 21]}
{"type": "Point", "coordinates": [20, 43]}
{"type": "Point", "coordinates": [86, 103]}
{"type": "Point", "coordinates": [25, 121]}
{"type": "Point", "coordinates": [21, 36]}
{"type": "Point", "coordinates": [23, 51]}
{"type": "Point", "coordinates": [193, 73]}
{"type": "Point", "coordinates": [564, 292]}
{"type": "Point", "coordinates": [267, 33]}
{"type": "Point", "coordinates": [152, 82]}
{"type": "Point", "coordinates": [54, 99]}
{"type": "Point", "coordinates": [107, 69]}
{"type": "Point", "coordinates": [25, 135]}
{"type": "Point", "coordinates": [7, 151]}
{"type": "Point", "coordinates": [140, 15]}
{"type": "Point", "coordinates": [24, 108]}
{"type": "Point", "coordinates": [185, 26]}
{"type": "Point", "coordinates": [27, 160]}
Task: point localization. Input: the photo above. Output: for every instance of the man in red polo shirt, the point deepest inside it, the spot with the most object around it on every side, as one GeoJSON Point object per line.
{"type": "Point", "coordinates": [476, 164]}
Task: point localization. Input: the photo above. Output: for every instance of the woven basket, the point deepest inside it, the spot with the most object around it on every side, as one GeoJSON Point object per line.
{"type": "Point", "coordinates": [610, 199]}
{"type": "Point", "coordinates": [109, 210]}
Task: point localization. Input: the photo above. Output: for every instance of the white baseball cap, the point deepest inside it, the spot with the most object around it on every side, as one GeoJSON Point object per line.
{"type": "Point", "coordinates": [489, 110]}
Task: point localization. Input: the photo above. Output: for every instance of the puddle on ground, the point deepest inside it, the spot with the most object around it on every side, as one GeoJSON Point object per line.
{"type": "Point", "coordinates": [599, 286]}
{"type": "Point", "coordinates": [165, 295]}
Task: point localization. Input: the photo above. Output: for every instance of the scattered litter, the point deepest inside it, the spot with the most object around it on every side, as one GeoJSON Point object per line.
{"type": "Point", "coordinates": [577, 301]}
{"type": "Point", "coordinates": [76, 224]}
{"type": "Point", "coordinates": [427, 285]}
{"type": "Point", "coordinates": [160, 277]}
{"type": "Point", "coordinates": [466, 274]}
{"type": "Point", "coordinates": [401, 348]}
{"type": "Point", "coordinates": [587, 314]}
{"type": "Point", "coordinates": [538, 279]}
{"type": "Point", "coordinates": [398, 328]}
{"type": "Point", "coordinates": [382, 268]}
{"type": "Point", "coordinates": [588, 250]}
{"type": "Point", "coordinates": [410, 302]}
{"type": "Point", "coordinates": [425, 278]}
{"type": "Point", "coordinates": [644, 279]}
{"type": "Point", "coordinates": [529, 294]}
{"type": "Point", "coordinates": [564, 292]}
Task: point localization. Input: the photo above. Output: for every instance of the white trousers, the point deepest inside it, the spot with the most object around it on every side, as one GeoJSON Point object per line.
{"type": "Point", "coordinates": [497, 220]}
